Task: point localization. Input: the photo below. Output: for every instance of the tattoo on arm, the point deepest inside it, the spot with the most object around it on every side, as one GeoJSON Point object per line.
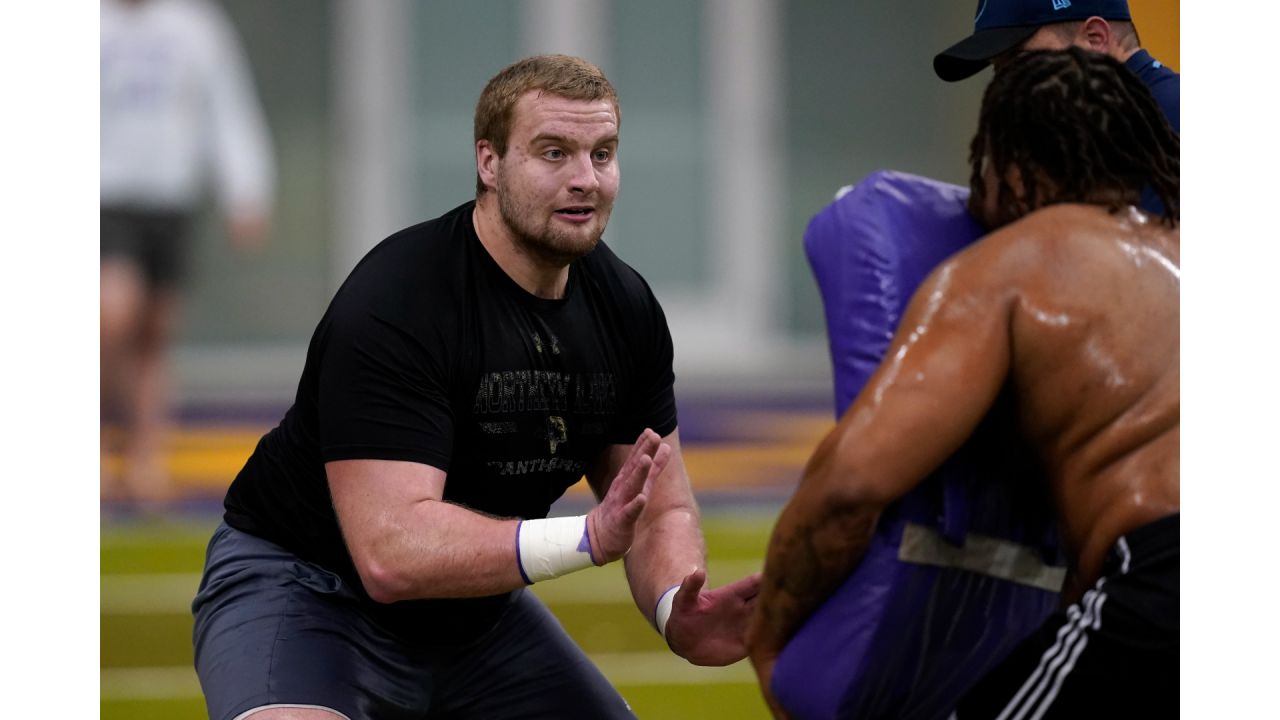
{"type": "Point", "coordinates": [806, 565]}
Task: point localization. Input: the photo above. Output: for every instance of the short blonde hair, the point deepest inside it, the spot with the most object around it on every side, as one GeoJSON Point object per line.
{"type": "Point", "coordinates": [561, 75]}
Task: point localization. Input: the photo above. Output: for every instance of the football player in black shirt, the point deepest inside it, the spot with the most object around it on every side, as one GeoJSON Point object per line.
{"type": "Point", "coordinates": [473, 367]}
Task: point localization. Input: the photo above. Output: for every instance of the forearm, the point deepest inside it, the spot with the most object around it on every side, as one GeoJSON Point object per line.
{"type": "Point", "coordinates": [814, 547]}
{"type": "Point", "coordinates": [702, 626]}
{"type": "Point", "coordinates": [668, 546]}
{"type": "Point", "coordinates": [433, 549]}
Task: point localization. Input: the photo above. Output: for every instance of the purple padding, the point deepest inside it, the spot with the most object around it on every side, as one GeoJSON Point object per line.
{"type": "Point", "coordinates": [899, 640]}
{"type": "Point", "coordinates": [869, 251]}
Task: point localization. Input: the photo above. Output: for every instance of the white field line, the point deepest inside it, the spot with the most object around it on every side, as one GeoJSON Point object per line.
{"type": "Point", "coordinates": [150, 683]}
{"type": "Point", "coordinates": [160, 594]}
{"type": "Point", "coordinates": [622, 669]}
{"type": "Point", "coordinates": [665, 668]}
{"type": "Point", "coordinates": [172, 593]}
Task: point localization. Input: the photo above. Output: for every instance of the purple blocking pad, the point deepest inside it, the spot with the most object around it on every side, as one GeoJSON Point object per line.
{"type": "Point", "coordinates": [911, 628]}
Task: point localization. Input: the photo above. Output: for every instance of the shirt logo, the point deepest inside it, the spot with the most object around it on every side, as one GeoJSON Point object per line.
{"type": "Point", "coordinates": [1061, 5]}
{"type": "Point", "coordinates": [556, 432]}
{"type": "Point", "coordinates": [555, 343]}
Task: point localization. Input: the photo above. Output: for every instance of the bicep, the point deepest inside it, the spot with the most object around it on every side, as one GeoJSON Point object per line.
{"type": "Point", "coordinates": [371, 497]}
{"type": "Point", "coordinates": [947, 363]}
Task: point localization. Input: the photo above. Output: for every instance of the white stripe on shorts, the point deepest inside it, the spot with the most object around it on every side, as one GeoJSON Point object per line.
{"type": "Point", "coordinates": [1058, 660]}
{"type": "Point", "coordinates": [1126, 556]}
{"type": "Point", "coordinates": [1071, 662]}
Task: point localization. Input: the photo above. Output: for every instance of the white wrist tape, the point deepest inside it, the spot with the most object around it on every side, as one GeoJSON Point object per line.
{"type": "Point", "coordinates": [663, 613]}
{"type": "Point", "coordinates": [552, 547]}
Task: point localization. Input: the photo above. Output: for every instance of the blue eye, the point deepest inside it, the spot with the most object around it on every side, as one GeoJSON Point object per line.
{"type": "Point", "coordinates": [602, 155]}
{"type": "Point", "coordinates": [553, 154]}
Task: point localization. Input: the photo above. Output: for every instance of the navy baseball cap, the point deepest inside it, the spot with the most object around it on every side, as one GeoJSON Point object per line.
{"type": "Point", "coordinates": [1001, 25]}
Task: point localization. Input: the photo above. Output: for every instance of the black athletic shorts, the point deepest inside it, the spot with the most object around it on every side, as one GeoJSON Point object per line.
{"type": "Point", "coordinates": [1113, 654]}
{"type": "Point", "coordinates": [154, 241]}
{"type": "Point", "coordinates": [274, 630]}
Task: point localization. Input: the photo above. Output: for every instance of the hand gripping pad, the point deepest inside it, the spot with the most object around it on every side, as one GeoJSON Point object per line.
{"type": "Point", "coordinates": [961, 568]}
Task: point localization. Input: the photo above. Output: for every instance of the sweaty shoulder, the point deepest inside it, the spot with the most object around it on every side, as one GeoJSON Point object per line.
{"type": "Point", "coordinates": [1095, 318]}
{"type": "Point", "coordinates": [1067, 244]}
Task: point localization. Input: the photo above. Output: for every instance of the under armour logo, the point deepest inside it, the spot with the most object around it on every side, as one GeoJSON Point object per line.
{"type": "Point", "coordinates": [1061, 4]}
{"type": "Point", "coordinates": [555, 343]}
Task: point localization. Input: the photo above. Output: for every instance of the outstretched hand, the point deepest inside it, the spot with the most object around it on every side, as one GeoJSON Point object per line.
{"type": "Point", "coordinates": [709, 627]}
{"type": "Point", "coordinates": [611, 525]}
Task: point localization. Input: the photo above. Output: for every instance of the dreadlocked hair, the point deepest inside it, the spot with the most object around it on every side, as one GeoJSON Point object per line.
{"type": "Point", "coordinates": [1079, 127]}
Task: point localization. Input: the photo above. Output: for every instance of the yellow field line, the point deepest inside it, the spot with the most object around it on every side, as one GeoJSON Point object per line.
{"type": "Point", "coordinates": [210, 458]}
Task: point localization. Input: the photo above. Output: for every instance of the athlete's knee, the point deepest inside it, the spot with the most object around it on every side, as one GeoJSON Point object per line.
{"type": "Point", "coordinates": [157, 323]}
{"type": "Point", "coordinates": [122, 295]}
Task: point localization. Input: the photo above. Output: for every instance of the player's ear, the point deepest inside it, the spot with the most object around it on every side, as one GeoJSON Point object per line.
{"type": "Point", "coordinates": [487, 160]}
{"type": "Point", "coordinates": [1095, 35]}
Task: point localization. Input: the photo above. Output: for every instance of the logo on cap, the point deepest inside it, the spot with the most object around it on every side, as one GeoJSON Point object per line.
{"type": "Point", "coordinates": [1061, 4]}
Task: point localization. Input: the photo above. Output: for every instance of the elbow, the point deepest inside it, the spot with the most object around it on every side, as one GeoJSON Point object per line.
{"type": "Point", "coordinates": [840, 519]}
{"type": "Point", "coordinates": [839, 485]}
{"type": "Point", "coordinates": [843, 499]}
{"type": "Point", "coordinates": [381, 581]}
{"type": "Point", "coordinates": [848, 510]}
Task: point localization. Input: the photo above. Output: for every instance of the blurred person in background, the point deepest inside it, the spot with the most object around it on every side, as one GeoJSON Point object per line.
{"type": "Point", "coordinates": [178, 110]}
{"type": "Point", "coordinates": [1004, 29]}
{"type": "Point", "coordinates": [376, 546]}
{"type": "Point", "coordinates": [1072, 304]}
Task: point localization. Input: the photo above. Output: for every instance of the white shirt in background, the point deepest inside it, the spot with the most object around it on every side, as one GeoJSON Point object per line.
{"type": "Point", "coordinates": [179, 110]}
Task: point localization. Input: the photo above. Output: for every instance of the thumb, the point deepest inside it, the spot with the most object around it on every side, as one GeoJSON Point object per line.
{"type": "Point", "coordinates": [687, 595]}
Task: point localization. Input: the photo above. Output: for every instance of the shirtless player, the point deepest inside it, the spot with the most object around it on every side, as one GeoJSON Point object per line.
{"type": "Point", "coordinates": [1072, 303]}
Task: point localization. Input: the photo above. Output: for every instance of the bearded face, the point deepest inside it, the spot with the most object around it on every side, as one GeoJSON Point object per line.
{"type": "Point", "coordinates": [558, 179]}
{"type": "Point", "coordinates": [550, 236]}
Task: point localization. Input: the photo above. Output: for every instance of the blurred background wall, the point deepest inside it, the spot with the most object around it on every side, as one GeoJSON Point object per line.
{"type": "Point", "coordinates": [741, 118]}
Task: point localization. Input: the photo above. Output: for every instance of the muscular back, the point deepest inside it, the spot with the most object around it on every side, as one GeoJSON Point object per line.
{"type": "Point", "coordinates": [1095, 364]}
{"type": "Point", "coordinates": [1077, 309]}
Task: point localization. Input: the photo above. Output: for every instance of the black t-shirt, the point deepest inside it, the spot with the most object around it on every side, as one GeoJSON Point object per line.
{"type": "Point", "coordinates": [430, 353]}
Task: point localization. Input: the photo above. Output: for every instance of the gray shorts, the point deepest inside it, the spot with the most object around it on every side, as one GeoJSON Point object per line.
{"type": "Point", "coordinates": [272, 629]}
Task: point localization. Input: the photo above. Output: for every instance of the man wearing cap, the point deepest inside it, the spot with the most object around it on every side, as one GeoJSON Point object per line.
{"type": "Point", "coordinates": [1040, 313]}
{"type": "Point", "coordinates": [1002, 29]}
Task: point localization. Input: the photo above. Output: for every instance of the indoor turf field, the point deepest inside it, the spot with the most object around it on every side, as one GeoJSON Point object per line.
{"type": "Point", "coordinates": [743, 461]}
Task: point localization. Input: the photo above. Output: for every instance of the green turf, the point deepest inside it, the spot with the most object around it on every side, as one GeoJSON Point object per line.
{"type": "Point", "coordinates": [180, 709]}
{"type": "Point", "coordinates": [154, 547]}
{"type": "Point", "coordinates": [594, 606]}
{"type": "Point", "coordinates": [608, 628]}
{"type": "Point", "coordinates": [740, 701]}
{"type": "Point", "coordinates": [146, 640]}
{"type": "Point", "coordinates": [737, 702]}
{"type": "Point", "coordinates": [737, 535]}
